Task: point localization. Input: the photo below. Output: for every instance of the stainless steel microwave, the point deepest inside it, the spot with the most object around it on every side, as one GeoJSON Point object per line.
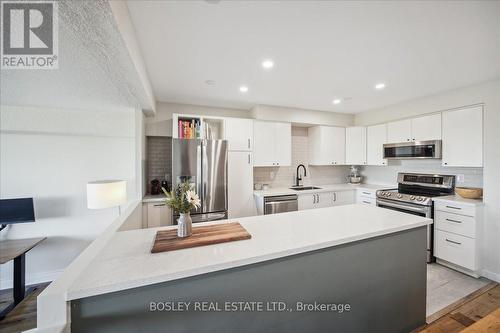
{"type": "Point", "coordinates": [413, 150]}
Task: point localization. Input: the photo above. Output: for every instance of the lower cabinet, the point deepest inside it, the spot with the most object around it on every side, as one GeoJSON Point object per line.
{"type": "Point", "coordinates": [456, 227]}
{"type": "Point", "coordinates": [325, 199]}
{"type": "Point", "coordinates": [156, 214]}
{"type": "Point", "coordinates": [366, 197]}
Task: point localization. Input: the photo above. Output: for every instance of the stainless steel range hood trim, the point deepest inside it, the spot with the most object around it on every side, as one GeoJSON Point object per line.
{"type": "Point", "coordinates": [436, 143]}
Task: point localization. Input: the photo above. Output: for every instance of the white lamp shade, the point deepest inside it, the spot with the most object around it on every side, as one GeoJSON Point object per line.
{"type": "Point", "coordinates": [106, 193]}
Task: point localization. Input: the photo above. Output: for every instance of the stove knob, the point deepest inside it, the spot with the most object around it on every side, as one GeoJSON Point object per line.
{"type": "Point", "coordinates": [412, 197]}
{"type": "Point", "coordinates": [400, 196]}
{"type": "Point", "coordinates": [388, 194]}
{"type": "Point", "coordinates": [420, 199]}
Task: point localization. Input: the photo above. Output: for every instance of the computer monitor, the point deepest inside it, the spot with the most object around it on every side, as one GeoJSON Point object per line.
{"type": "Point", "coordinates": [16, 211]}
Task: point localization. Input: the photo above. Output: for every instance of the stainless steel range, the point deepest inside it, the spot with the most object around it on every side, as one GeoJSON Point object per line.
{"type": "Point", "coordinates": [414, 196]}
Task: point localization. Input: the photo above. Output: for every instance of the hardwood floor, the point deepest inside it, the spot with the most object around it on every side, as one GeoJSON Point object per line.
{"type": "Point", "coordinates": [469, 313]}
{"type": "Point", "coordinates": [464, 315]}
{"type": "Point", "coordinates": [23, 317]}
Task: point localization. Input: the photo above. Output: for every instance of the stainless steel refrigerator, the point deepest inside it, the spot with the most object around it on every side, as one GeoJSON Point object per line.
{"type": "Point", "coordinates": [203, 163]}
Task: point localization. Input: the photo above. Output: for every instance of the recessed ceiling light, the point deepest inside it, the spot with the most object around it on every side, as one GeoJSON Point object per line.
{"type": "Point", "coordinates": [337, 101]}
{"type": "Point", "coordinates": [268, 64]}
{"type": "Point", "coordinates": [243, 89]}
{"type": "Point", "coordinates": [380, 86]}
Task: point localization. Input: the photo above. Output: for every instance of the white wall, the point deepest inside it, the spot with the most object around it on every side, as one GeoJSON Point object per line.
{"type": "Point", "coordinates": [50, 154]}
{"type": "Point", "coordinates": [489, 95]}
{"type": "Point", "coordinates": [301, 116]}
{"type": "Point", "coordinates": [161, 123]}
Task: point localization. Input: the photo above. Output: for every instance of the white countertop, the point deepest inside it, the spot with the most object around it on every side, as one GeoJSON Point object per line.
{"type": "Point", "coordinates": [323, 188]}
{"type": "Point", "coordinates": [458, 199]}
{"type": "Point", "coordinates": [126, 261]}
{"type": "Point", "coordinates": [154, 198]}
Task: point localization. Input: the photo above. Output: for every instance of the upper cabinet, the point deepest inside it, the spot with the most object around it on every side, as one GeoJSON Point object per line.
{"type": "Point", "coordinates": [416, 129]}
{"type": "Point", "coordinates": [463, 137]}
{"type": "Point", "coordinates": [326, 145]}
{"type": "Point", "coordinates": [426, 128]}
{"type": "Point", "coordinates": [239, 134]}
{"type": "Point", "coordinates": [376, 137]}
{"type": "Point", "coordinates": [355, 142]}
{"type": "Point", "coordinates": [272, 143]}
{"type": "Point", "coordinates": [399, 131]}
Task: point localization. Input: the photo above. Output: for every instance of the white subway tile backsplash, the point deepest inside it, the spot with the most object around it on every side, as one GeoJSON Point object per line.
{"type": "Point", "coordinates": [472, 177]}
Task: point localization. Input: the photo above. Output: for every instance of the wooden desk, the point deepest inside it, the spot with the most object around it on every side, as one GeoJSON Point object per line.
{"type": "Point", "coordinates": [15, 249]}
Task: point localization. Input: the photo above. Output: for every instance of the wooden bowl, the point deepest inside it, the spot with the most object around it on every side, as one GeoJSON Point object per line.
{"type": "Point", "coordinates": [469, 192]}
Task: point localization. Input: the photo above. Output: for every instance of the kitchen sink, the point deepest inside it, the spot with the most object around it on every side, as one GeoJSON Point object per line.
{"type": "Point", "coordinates": [303, 188]}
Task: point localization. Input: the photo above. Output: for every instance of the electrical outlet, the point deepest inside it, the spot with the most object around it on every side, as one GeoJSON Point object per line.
{"type": "Point", "coordinates": [460, 178]}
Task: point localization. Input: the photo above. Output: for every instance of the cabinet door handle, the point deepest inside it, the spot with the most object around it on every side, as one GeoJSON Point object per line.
{"type": "Point", "coordinates": [453, 207]}
{"type": "Point", "coordinates": [367, 193]}
{"type": "Point", "coordinates": [248, 143]}
{"type": "Point", "coordinates": [455, 221]}
{"type": "Point", "coordinates": [334, 196]}
{"type": "Point", "coordinates": [159, 205]}
{"type": "Point", "coordinates": [314, 198]}
{"type": "Point", "coordinates": [248, 158]}
{"type": "Point", "coordinates": [366, 202]}
{"type": "Point", "coordinates": [450, 241]}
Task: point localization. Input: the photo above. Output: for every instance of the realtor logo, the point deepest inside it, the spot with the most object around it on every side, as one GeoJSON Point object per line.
{"type": "Point", "coordinates": [29, 35]}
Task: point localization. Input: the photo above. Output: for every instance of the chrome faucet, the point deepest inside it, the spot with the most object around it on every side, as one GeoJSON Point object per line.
{"type": "Point", "coordinates": [298, 178]}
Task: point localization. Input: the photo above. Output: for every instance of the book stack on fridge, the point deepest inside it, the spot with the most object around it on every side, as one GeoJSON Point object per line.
{"type": "Point", "coordinates": [189, 129]}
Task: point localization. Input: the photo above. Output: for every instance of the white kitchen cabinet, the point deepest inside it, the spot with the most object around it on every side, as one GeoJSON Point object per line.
{"type": "Point", "coordinates": [376, 137]}
{"type": "Point", "coordinates": [325, 199]}
{"type": "Point", "coordinates": [355, 143]}
{"type": "Point", "coordinates": [326, 145]}
{"type": "Point", "coordinates": [426, 128]}
{"type": "Point", "coordinates": [283, 144]}
{"type": "Point", "coordinates": [344, 197]}
{"type": "Point", "coordinates": [240, 184]}
{"type": "Point", "coordinates": [272, 143]}
{"type": "Point", "coordinates": [157, 214]}
{"type": "Point", "coordinates": [399, 131]}
{"type": "Point", "coordinates": [307, 201]}
{"type": "Point", "coordinates": [457, 228]}
{"type": "Point", "coordinates": [367, 197]}
{"type": "Point", "coordinates": [416, 129]}
{"type": "Point", "coordinates": [463, 137]}
{"type": "Point", "coordinates": [239, 134]}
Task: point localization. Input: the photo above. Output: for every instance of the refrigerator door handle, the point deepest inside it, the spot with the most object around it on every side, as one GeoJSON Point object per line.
{"type": "Point", "coordinates": [199, 172]}
{"type": "Point", "coordinates": [204, 175]}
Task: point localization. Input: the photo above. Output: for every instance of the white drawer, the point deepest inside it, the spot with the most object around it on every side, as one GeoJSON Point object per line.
{"type": "Point", "coordinates": [456, 249]}
{"type": "Point", "coordinates": [366, 200]}
{"type": "Point", "coordinates": [458, 224]}
{"type": "Point", "coordinates": [367, 193]}
{"type": "Point", "coordinates": [455, 208]}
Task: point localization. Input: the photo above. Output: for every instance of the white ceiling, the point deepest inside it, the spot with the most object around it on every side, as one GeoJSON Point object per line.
{"type": "Point", "coordinates": [322, 50]}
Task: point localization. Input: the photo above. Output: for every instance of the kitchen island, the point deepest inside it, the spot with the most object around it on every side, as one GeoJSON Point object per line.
{"type": "Point", "coordinates": [350, 268]}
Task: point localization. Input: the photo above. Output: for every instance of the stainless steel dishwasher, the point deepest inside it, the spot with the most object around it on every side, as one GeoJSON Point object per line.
{"type": "Point", "coordinates": [280, 204]}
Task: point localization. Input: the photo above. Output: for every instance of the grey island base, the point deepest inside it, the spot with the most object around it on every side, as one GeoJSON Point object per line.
{"type": "Point", "coordinates": [373, 285]}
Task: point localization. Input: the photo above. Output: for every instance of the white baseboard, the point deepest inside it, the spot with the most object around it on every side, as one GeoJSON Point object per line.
{"type": "Point", "coordinates": [32, 279]}
{"type": "Point", "coordinates": [491, 275]}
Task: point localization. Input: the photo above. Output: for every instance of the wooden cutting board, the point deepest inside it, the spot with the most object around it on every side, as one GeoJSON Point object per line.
{"type": "Point", "coordinates": [167, 240]}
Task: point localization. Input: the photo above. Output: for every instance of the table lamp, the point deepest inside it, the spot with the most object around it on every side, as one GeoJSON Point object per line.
{"type": "Point", "coordinates": [106, 194]}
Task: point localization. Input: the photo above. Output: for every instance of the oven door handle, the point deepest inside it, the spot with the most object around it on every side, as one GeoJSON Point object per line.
{"type": "Point", "coordinates": [422, 210]}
